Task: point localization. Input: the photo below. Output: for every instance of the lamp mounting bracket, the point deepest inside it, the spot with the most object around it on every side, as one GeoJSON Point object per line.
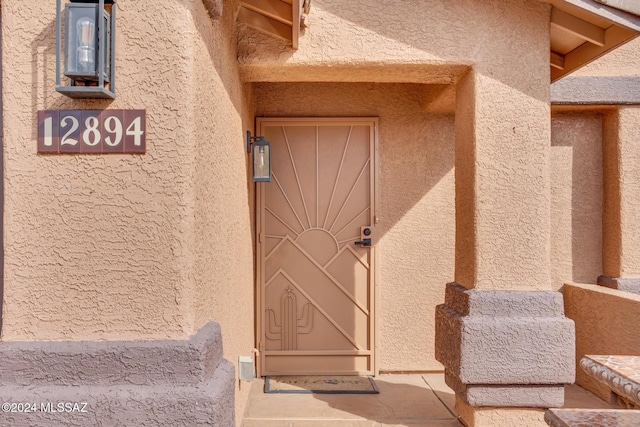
{"type": "Point", "coordinates": [252, 139]}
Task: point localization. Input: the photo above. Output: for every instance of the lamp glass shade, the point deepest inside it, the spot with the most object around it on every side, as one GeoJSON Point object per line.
{"type": "Point", "coordinates": [261, 161]}
{"type": "Point", "coordinates": [83, 32]}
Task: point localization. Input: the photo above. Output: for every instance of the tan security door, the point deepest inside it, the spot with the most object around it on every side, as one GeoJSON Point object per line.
{"type": "Point", "coordinates": [315, 267]}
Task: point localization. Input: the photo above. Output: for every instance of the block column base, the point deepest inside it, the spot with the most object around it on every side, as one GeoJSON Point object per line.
{"type": "Point", "coordinates": [505, 348]}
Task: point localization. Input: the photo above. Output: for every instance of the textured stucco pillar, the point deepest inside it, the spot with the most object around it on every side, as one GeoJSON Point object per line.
{"type": "Point", "coordinates": [621, 225]}
{"type": "Point", "coordinates": [501, 333]}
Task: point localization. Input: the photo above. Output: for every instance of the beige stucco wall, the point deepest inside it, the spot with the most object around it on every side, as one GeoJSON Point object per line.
{"type": "Point", "coordinates": [92, 244]}
{"type": "Point", "coordinates": [621, 193]}
{"type": "Point", "coordinates": [221, 243]}
{"type": "Point", "coordinates": [576, 197]}
{"type": "Point", "coordinates": [621, 186]}
{"type": "Point", "coordinates": [121, 247]}
{"type": "Point", "coordinates": [430, 42]}
{"type": "Point", "coordinates": [606, 323]}
{"type": "Point", "coordinates": [502, 176]}
{"type": "Point", "coordinates": [416, 210]}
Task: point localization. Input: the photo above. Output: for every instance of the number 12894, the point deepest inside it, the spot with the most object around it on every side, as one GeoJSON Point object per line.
{"type": "Point", "coordinates": [91, 131]}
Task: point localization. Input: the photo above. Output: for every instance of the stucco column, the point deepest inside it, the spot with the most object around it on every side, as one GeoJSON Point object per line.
{"type": "Point", "coordinates": [621, 225]}
{"type": "Point", "coordinates": [501, 333]}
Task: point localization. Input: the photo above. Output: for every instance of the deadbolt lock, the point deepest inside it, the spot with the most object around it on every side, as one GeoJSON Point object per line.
{"type": "Point", "coordinates": [364, 241]}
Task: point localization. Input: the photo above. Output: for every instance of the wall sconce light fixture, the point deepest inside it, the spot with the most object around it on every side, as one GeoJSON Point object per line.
{"type": "Point", "coordinates": [88, 50]}
{"type": "Point", "coordinates": [261, 154]}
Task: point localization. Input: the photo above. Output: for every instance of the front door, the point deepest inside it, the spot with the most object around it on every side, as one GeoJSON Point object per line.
{"type": "Point", "coordinates": [315, 265]}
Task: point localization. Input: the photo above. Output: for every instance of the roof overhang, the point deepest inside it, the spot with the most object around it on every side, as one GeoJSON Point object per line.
{"type": "Point", "coordinates": [279, 18]}
{"type": "Point", "coordinates": [584, 30]}
{"type": "Point", "coordinates": [581, 30]}
{"type": "Point", "coordinates": [631, 6]}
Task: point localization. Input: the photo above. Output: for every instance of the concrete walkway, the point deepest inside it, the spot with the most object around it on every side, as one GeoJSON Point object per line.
{"type": "Point", "coordinates": [420, 400]}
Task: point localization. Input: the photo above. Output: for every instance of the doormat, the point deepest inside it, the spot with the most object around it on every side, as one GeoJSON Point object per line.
{"type": "Point", "coordinates": [333, 384]}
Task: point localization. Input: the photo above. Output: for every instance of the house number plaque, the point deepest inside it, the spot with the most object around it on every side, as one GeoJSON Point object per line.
{"type": "Point", "coordinates": [91, 131]}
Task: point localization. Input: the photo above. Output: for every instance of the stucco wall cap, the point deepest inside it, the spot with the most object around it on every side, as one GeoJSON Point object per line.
{"type": "Point", "coordinates": [508, 303]}
{"type": "Point", "coordinates": [589, 289]}
{"type": "Point", "coordinates": [596, 90]}
{"type": "Point", "coordinates": [626, 284]}
{"type": "Point", "coordinates": [174, 362]}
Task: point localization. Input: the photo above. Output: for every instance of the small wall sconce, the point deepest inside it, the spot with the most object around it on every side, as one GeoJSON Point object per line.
{"type": "Point", "coordinates": [89, 48]}
{"type": "Point", "coordinates": [261, 154]}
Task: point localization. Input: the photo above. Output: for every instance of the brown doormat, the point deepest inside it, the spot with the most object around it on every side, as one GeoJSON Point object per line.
{"type": "Point", "coordinates": [321, 384]}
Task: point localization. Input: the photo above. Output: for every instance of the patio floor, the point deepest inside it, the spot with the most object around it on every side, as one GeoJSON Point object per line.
{"type": "Point", "coordinates": [417, 400]}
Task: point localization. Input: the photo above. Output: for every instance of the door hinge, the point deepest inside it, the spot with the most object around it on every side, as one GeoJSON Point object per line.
{"type": "Point", "coordinates": [260, 237]}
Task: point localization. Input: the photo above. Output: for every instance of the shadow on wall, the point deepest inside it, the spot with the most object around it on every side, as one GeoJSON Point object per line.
{"type": "Point", "coordinates": [416, 147]}
{"type": "Point", "coordinates": [501, 29]}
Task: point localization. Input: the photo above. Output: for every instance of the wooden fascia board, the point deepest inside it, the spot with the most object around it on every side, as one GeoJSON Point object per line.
{"type": "Point", "coordinates": [557, 60]}
{"type": "Point", "coordinates": [576, 26]}
{"type": "Point", "coordinates": [588, 52]}
{"type": "Point", "coordinates": [265, 24]}
{"type": "Point", "coordinates": [296, 9]}
{"type": "Point", "coordinates": [274, 9]}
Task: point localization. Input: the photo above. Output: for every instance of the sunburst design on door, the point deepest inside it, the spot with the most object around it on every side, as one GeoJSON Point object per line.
{"type": "Point", "coordinates": [335, 223]}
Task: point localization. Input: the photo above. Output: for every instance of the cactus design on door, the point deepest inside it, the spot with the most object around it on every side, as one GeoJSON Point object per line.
{"type": "Point", "coordinates": [315, 239]}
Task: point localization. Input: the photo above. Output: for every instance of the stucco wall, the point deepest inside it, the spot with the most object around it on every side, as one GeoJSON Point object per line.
{"type": "Point", "coordinates": [121, 247]}
{"type": "Point", "coordinates": [417, 203]}
{"type": "Point", "coordinates": [94, 243]}
{"type": "Point", "coordinates": [130, 246]}
{"type": "Point", "coordinates": [503, 135]}
{"type": "Point", "coordinates": [576, 198]}
{"type": "Point", "coordinates": [222, 261]}
{"type": "Point", "coordinates": [622, 187]}
{"type": "Point", "coordinates": [428, 41]}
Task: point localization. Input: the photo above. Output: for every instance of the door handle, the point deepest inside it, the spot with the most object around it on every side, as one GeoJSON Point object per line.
{"type": "Point", "coordinates": [363, 242]}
